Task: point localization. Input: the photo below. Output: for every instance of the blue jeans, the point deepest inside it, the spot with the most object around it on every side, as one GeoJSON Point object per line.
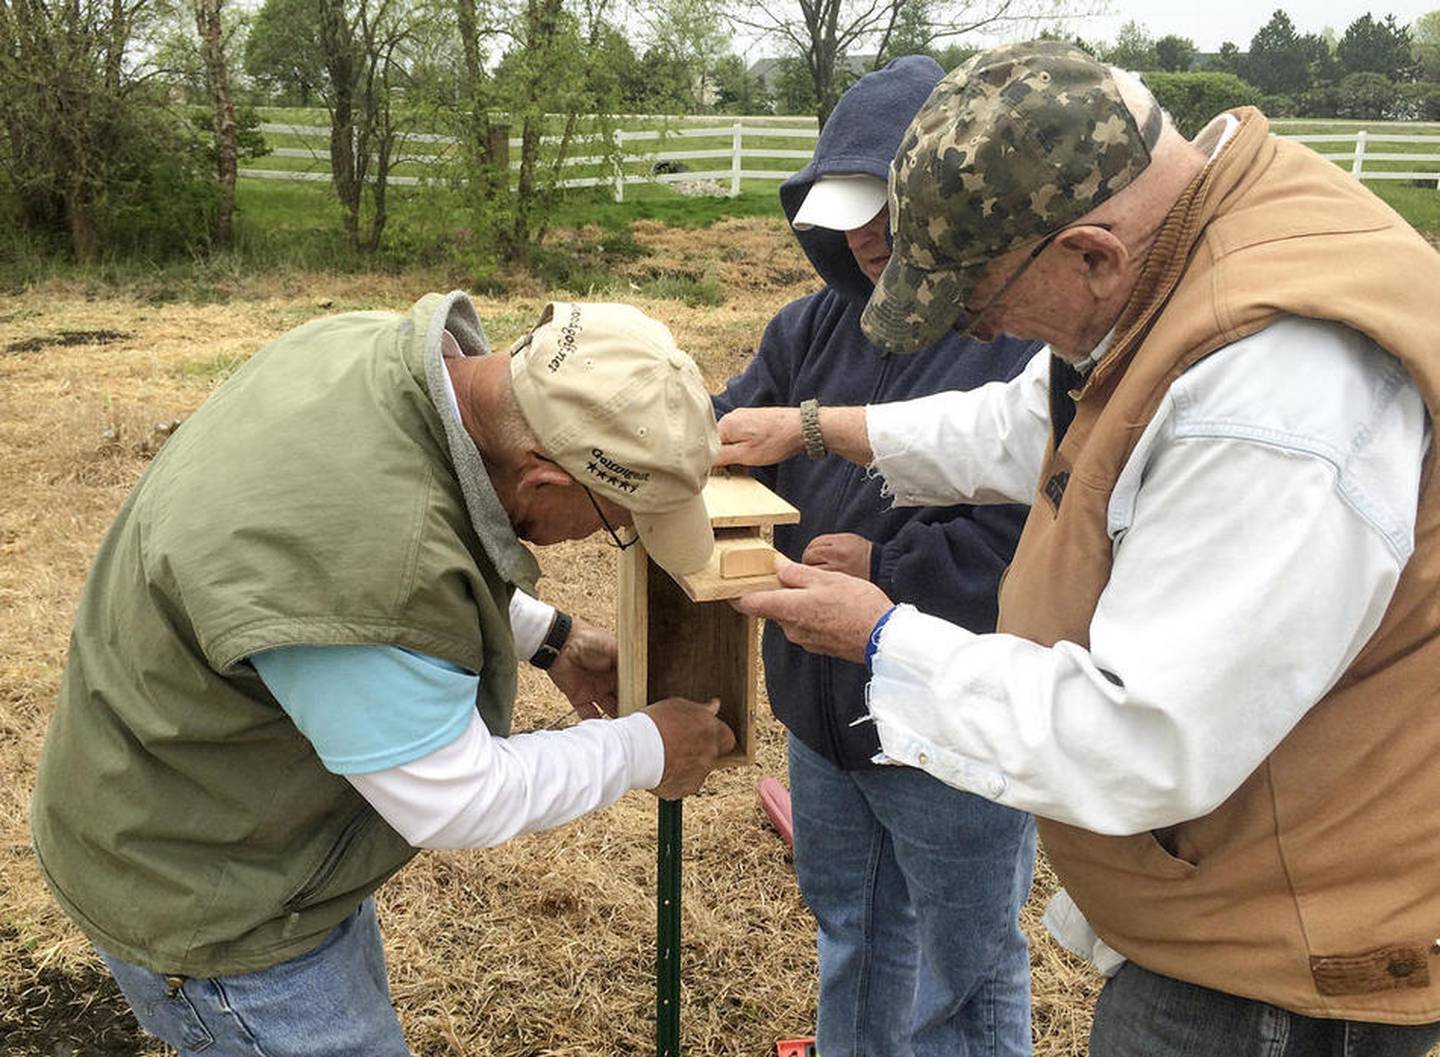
{"type": "Point", "coordinates": [1144, 1014]}
{"type": "Point", "coordinates": [332, 1001]}
{"type": "Point", "coordinates": [916, 888]}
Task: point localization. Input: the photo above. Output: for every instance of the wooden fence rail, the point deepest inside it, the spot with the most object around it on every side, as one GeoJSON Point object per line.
{"type": "Point", "coordinates": [619, 157]}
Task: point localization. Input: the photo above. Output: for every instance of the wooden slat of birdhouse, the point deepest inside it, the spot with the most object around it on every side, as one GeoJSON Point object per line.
{"type": "Point", "coordinates": [736, 501]}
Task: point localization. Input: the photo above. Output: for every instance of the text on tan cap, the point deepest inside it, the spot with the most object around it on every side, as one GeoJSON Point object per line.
{"type": "Point", "coordinates": [613, 400]}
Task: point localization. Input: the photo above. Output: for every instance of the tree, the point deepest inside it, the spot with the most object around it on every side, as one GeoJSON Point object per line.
{"type": "Point", "coordinates": [1134, 48]}
{"type": "Point", "coordinates": [736, 91]}
{"type": "Point", "coordinates": [282, 50]}
{"type": "Point", "coordinates": [659, 82]}
{"type": "Point", "coordinates": [357, 57]}
{"type": "Point", "coordinates": [217, 76]}
{"type": "Point", "coordinates": [910, 34]}
{"type": "Point", "coordinates": [1229, 59]}
{"type": "Point", "coordinates": [1381, 47]}
{"type": "Point", "coordinates": [820, 34]}
{"type": "Point", "coordinates": [558, 83]}
{"type": "Point", "coordinates": [693, 33]}
{"type": "Point", "coordinates": [1425, 45]}
{"type": "Point", "coordinates": [1319, 49]}
{"type": "Point", "coordinates": [1279, 62]}
{"type": "Point", "coordinates": [90, 155]}
{"type": "Point", "coordinates": [1367, 96]}
{"type": "Point", "coordinates": [795, 88]}
{"type": "Point", "coordinates": [1174, 53]}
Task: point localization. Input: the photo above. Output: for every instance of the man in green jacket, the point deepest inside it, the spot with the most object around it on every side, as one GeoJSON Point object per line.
{"type": "Point", "coordinates": [294, 661]}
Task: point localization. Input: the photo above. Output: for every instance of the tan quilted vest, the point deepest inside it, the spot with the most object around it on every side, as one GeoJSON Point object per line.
{"type": "Point", "coordinates": [1316, 885]}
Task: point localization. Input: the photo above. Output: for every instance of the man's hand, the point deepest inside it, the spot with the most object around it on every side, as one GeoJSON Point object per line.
{"type": "Point", "coordinates": [840, 552]}
{"type": "Point", "coordinates": [694, 739]}
{"type": "Point", "coordinates": [819, 610]}
{"type": "Point", "coordinates": [759, 436]}
{"type": "Point", "coordinates": [586, 670]}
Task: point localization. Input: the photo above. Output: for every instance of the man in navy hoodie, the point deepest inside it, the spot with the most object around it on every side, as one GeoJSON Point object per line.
{"type": "Point", "coordinates": [916, 887]}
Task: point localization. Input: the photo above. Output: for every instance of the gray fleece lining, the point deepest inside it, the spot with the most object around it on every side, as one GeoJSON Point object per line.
{"type": "Point", "coordinates": [511, 558]}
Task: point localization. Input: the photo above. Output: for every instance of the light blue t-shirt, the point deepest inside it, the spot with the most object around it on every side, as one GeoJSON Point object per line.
{"type": "Point", "coordinates": [366, 708]}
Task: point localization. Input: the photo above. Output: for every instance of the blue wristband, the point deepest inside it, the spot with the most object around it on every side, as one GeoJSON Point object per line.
{"type": "Point", "coordinates": [874, 641]}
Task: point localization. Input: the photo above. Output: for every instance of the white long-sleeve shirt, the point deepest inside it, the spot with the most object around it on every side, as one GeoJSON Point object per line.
{"type": "Point", "coordinates": [1258, 532]}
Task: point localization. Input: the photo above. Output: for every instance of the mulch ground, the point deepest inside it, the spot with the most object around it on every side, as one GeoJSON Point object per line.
{"type": "Point", "coordinates": [541, 947]}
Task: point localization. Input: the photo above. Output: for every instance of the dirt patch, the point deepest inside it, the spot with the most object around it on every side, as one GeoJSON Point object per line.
{"type": "Point", "coordinates": [49, 1013]}
{"type": "Point", "coordinates": [66, 339]}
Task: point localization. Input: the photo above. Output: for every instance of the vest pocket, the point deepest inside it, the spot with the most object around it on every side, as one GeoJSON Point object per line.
{"type": "Point", "coordinates": [1157, 859]}
{"type": "Point", "coordinates": [313, 890]}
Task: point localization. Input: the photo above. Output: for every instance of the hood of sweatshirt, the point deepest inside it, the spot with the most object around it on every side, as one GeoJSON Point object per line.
{"type": "Point", "coordinates": [861, 137]}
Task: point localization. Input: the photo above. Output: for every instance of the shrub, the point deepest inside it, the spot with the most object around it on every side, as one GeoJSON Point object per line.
{"type": "Point", "coordinates": [1367, 96]}
{"type": "Point", "coordinates": [1280, 106]}
{"type": "Point", "coordinates": [1418, 102]}
{"type": "Point", "coordinates": [1321, 101]}
{"type": "Point", "coordinates": [1194, 98]}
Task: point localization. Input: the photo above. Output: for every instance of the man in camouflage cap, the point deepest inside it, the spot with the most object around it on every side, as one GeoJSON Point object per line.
{"type": "Point", "coordinates": [1011, 147]}
{"type": "Point", "coordinates": [1213, 678]}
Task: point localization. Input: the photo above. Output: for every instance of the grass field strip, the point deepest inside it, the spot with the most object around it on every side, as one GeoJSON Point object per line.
{"type": "Point", "coordinates": [1407, 149]}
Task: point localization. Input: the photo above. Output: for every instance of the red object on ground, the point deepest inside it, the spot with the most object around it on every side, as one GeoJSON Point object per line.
{"type": "Point", "coordinates": [775, 799]}
{"type": "Point", "coordinates": [794, 1047]}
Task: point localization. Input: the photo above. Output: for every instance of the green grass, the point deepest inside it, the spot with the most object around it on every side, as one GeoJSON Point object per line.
{"type": "Point", "coordinates": [697, 293]}
{"type": "Point", "coordinates": [1418, 205]}
{"type": "Point", "coordinates": [210, 371]}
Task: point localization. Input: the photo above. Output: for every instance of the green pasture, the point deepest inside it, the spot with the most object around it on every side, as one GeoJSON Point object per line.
{"type": "Point", "coordinates": [271, 203]}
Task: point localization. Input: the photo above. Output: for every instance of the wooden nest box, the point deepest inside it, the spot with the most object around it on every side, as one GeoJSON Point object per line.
{"type": "Point", "coordinates": [679, 637]}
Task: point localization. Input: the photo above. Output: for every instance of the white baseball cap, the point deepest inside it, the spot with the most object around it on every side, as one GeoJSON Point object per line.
{"type": "Point", "coordinates": [841, 202]}
{"type": "Point", "coordinates": [614, 401]}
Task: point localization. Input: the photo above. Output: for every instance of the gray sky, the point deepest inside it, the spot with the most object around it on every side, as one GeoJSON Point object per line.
{"type": "Point", "coordinates": [1210, 22]}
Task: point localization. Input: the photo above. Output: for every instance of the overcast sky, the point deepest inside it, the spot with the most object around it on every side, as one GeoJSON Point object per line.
{"type": "Point", "coordinates": [1210, 22]}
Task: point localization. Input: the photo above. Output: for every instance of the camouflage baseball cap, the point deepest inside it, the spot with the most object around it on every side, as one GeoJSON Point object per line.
{"type": "Point", "coordinates": [1010, 147]}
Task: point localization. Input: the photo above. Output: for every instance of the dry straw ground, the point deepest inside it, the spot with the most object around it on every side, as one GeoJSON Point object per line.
{"type": "Point", "coordinates": [542, 947]}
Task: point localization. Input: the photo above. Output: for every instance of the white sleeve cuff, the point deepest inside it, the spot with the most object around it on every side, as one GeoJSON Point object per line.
{"type": "Point", "coordinates": [530, 620]}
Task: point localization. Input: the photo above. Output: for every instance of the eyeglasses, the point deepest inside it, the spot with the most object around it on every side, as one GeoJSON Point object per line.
{"type": "Point", "coordinates": [965, 324]}
{"type": "Point", "coordinates": [615, 539]}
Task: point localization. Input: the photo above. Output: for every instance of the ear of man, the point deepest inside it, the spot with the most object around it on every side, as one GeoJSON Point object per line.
{"type": "Point", "coordinates": [536, 471]}
{"type": "Point", "coordinates": [1101, 259]}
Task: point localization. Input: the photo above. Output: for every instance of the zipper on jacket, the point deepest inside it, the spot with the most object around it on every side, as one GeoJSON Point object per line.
{"type": "Point", "coordinates": [321, 877]}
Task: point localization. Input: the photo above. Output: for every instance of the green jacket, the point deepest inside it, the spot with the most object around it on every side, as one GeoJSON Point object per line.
{"type": "Point", "coordinates": [325, 494]}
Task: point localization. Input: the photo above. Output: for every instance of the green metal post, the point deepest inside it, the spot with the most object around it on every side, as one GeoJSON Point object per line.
{"type": "Point", "coordinates": [667, 954]}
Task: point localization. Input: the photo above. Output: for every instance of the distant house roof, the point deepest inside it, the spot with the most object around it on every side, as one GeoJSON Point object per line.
{"type": "Point", "coordinates": [768, 70]}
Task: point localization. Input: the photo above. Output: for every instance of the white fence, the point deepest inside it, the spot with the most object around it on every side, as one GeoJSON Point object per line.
{"type": "Point", "coordinates": [733, 157]}
{"type": "Point", "coordinates": [1360, 153]}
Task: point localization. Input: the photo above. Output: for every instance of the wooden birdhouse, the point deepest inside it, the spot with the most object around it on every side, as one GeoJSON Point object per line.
{"type": "Point", "coordinates": [679, 637]}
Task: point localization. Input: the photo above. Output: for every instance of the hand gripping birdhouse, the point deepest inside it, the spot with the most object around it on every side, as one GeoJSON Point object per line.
{"type": "Point", "coordinates": [679, 637]}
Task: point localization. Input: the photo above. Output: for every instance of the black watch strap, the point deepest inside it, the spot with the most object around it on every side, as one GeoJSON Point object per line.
{"type": "Point", "coordinates": [554, 642]}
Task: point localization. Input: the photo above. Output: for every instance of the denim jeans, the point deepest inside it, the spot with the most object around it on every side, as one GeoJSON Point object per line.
{"type": "Point", "coordinates": [916, 888]}
{"type": "Point", "coordinates": [1143, 1014]}
{"type": "Point", "coordinates": [332, 1001]}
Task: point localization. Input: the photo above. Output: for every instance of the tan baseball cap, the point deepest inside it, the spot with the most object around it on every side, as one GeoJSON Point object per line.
{"type": "Point", "coordinates": [614, 401]}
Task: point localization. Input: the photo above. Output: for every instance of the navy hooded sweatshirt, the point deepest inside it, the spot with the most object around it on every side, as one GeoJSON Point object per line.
{"type": "Point", "coordinates": [946, 561]}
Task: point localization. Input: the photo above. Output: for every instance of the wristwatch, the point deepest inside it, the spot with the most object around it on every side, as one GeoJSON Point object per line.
{"type": "Point", "coordinates": [554, 642]}
{"type": "Point", "coordinates": [810, 429]}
